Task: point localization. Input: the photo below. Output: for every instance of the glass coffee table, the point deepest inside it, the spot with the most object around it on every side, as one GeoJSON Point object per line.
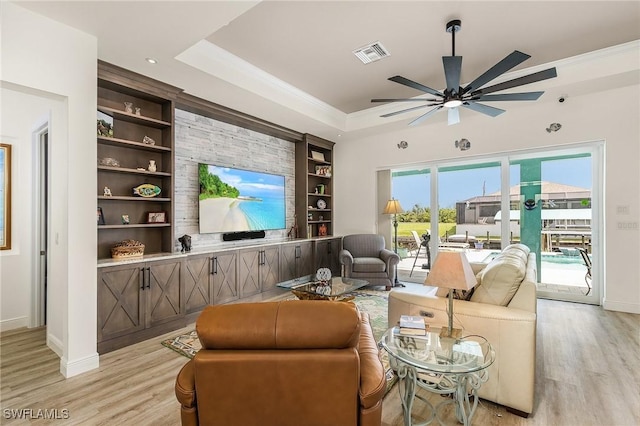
{"type": "Point", "coordinates": [442, 365]}
{"type": "Point", "coordinates": [336, 289]}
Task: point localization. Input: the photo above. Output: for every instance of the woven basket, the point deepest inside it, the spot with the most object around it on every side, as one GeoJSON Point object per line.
{"type": "Point", "coordinates": [127, 249]}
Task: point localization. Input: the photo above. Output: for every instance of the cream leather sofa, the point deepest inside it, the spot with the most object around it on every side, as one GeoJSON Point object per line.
{"type": "Point", "coordinates": [502, 308]}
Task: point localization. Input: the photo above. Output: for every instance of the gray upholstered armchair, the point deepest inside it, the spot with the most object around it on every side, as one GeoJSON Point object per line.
{"type": "Point", "coordinates": [365, 256]}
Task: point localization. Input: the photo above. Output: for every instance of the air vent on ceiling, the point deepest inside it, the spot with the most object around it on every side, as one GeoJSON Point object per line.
{"type": "Point", "coordinates": [371, 52]}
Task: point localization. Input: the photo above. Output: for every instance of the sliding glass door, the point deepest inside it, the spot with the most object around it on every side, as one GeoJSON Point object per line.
{"type": "Point", "coordinates": [549, 201]}
{"type": "Point", "coordinates": [556, 221]}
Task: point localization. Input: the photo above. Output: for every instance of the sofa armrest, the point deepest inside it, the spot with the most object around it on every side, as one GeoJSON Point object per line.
{"type": "Point", "coordinates": [391, 259]}
{"type": "Point", "coordinates": [477, 266]}
{"type": "Point", "coordinates": [186, 386]}
{"type": "Point", "coordinates": [435, 309]}
{"type": "Point", "coordinates": [372, 377]}
{"type": "Point", "coordinates": [346, 258]}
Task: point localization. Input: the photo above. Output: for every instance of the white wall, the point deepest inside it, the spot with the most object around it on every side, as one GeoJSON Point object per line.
{"type": "Point", "coordinates": [611, 116]}
{"type": "Point", "coordinates": [22, 115]}
{"type": "Point", "coordinates": [59, 62]}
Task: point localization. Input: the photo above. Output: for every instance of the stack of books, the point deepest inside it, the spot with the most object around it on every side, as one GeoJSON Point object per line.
{"type": "Point", "coordinates": [411, 325]}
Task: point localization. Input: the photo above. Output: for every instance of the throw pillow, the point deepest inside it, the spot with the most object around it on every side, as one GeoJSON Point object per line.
{"type": "Point", "coordinates": [500, 280]}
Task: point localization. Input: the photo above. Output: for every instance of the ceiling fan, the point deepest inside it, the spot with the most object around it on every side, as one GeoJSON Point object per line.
{"type": "Point", "coordinates": [473, 93]}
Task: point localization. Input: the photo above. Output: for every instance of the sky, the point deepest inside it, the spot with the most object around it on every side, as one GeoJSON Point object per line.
{"type": "Point", "coordinates": [460, 185]}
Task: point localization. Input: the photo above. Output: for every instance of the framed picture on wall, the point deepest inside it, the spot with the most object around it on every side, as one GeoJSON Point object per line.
{"type": "Point", "coordinates": [5, 196]}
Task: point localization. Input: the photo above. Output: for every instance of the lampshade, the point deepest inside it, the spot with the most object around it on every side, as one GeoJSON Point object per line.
{"type": "Point", "coordinates": [451, 269]}
{"type": "Point", "coordinates": [393, 207]}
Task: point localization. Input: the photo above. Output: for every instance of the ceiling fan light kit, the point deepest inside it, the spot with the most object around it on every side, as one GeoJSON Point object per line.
{"type": "Point", "coordinates": [470, 96]}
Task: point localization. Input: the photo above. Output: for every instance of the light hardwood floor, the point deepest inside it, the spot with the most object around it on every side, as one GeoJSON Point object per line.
{"type": "Point", "coordinates": [588, 373]}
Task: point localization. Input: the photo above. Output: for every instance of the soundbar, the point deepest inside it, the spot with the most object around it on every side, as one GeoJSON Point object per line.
{"type": "Point", "coordinates": [246, 235]}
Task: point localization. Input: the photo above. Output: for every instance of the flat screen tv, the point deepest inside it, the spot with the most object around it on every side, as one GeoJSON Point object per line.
{"type": "Point", "coordinates": [235, 200]}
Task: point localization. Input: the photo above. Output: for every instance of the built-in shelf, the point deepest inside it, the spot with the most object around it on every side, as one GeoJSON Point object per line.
{"type": "Point", "coordinates": [133, 118]}
{"type": "Point", "coordinates": [125, 145]}
{"type": "Point", "coordinates": [135, 225]}
{"type": "Point", "coordinates": [127, 198]}
{"type": "Point", "coordinates": [132, 144]}
{"type": "Point", "coordinates": [314, 177]}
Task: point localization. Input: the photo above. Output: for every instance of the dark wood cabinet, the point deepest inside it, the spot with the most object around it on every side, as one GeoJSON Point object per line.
{"type": "Point", "coordinates": [258, 270]}
{"type": "Point", "coordinates": [327, 254]}
{"type": "Point", "coordinates": [224, 273]}
{"type": "Point", "coordinates": [164, 292]}
{"type": "Point", "coordinates": [314, 181]}
{"type": "Point", "coordinates": [296, 260]}
{"type": "Point", "coordinates": [120, 301]}
{"type": "Point", "coordinates": [197, 283]}
{"type": "Point", "coordinates": [134, 299]}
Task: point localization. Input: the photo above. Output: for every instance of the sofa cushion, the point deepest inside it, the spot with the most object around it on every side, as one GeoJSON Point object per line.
{"type": "Point", "coordinates": [523, 248]}
{"type": "Point", "coordinates": [500, 280]}
{"type": "Point", "coordinates": [368, 264]}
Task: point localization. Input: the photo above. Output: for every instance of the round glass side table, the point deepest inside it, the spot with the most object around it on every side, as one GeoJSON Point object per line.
{"type": "Point", "coordinates": [440, 365]}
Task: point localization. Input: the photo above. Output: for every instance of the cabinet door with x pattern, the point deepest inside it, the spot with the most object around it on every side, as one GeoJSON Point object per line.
{"type": "Point", "coordinates": [120, 300]}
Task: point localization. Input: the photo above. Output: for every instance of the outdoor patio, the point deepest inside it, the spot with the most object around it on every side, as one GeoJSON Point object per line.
{"type": "Point", "coordinates": [561, 278]}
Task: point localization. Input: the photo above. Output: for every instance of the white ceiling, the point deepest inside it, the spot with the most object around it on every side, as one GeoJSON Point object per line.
{"type": "Point", "coordinates": [290, 62]}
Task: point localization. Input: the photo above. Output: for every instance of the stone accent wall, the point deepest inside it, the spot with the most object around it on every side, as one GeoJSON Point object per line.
{"type": "Point", "coordinates": [200, 139]}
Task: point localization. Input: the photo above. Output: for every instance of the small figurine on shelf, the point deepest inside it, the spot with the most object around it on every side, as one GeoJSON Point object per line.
{"type": "Point", "coordinates": [128, 107]}
{"type": "Point", "coordinates": [137, 111]}
{"type": "Point", "coordinates": [293, 232]}
{"type": "Point", "coordinates": [185, 241]}
{"type": "Point", "coordinates": [322, 230]}
{"type": "Point", "coordinates": [152, 166]}
{"type": "Point", "coordinates": [125, 219]}
{"type": "Point", "coordinates": [149, 141]}
{"type": "Point", "coordinates": [107, 192]}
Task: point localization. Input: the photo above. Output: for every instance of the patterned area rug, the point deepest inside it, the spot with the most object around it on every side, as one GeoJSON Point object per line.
{"type": "Point", "coordinates": [371, 301]}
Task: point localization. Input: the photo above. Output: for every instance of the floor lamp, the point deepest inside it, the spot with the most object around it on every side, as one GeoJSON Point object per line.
{"type": "Point", "coordinates": [393, 207]}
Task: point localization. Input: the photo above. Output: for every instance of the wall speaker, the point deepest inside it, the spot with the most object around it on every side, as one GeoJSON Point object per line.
{"type": "Point", "coordinates": [246, 235]}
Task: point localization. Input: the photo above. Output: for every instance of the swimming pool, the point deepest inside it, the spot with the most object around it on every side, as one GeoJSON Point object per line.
{"type": "Point", "coordinates": [558, 259]}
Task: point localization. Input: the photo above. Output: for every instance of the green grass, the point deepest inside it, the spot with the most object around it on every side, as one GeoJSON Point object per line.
{"type": "Point", "coordinates": [405, 228]}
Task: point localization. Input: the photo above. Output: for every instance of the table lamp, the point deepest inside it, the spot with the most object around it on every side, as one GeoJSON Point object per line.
{"type": "Point", "coordinates": [451, 270]}
{"type": "Point", "coordinates": [393, 207]}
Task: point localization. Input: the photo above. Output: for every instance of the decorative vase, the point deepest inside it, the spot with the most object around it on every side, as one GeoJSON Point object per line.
{"type": "Point", "coordinates": [152, 166]}
{"type": "Point", "coordinates": [128, 107]}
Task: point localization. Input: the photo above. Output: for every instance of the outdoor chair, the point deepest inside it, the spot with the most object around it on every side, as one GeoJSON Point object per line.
{"type": "Point", "coordinates": [587, 262]}
{"type": "Point", "coordinates": [424, 242]}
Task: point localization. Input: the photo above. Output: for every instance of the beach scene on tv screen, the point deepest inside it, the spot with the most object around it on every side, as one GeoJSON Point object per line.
{"type": "Point", "coordinates": [234, 200]}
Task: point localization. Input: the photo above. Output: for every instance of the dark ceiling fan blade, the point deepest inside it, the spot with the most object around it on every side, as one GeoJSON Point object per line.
{"type": "Point", "coordinates": [484, 109]}
{"type": "Point", "coordinates": [405, 81]}
{"type": "Point", "coordinates": [425, 116]}
{"type": "Point", "coordinates": [511, 60]}
{"type": "Point", "coordinates": [525, 96]}
{"type": "Point", "coordinates": [452, 67]}
{"type": "Point", "coordinates": [527, 79]}
{"type": "Point", "coordinates": [453, 116]}
{"type": "Point", "coordinates": [405, 100]}
{"type": "Point", "coordinates": [391, 114]}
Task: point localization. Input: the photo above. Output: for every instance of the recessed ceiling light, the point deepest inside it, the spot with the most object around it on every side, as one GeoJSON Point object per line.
{"type": "Point", "coordinates": [151, 60]}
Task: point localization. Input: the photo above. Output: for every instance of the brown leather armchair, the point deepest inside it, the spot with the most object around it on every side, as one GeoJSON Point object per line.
{"type": "Point", "coordinates": [283, 363]}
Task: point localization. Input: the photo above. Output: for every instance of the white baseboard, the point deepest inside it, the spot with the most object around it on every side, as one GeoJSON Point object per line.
{"type": "Point", "coordinates": [79, 366]}
{"type": "Point", "coordinates": [13, 323]}
{"type": "Point", "coordinates": [55, 345]}
{"type": "Point", "coordinates": [632, 308]}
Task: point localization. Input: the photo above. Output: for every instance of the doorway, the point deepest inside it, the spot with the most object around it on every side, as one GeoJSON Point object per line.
{"type": "Point", "coordinates": [41, 248]}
